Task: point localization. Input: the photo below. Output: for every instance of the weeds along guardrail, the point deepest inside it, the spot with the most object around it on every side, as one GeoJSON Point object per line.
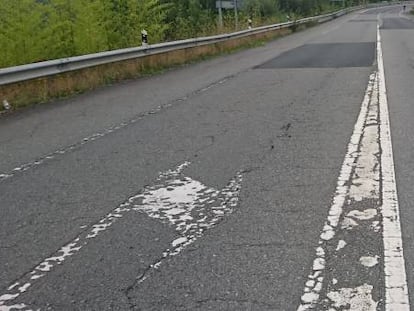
{"type": "Point", "coordinates": [39, 82]}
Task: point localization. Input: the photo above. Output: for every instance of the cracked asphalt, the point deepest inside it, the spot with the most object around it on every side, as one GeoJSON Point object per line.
{"type": "Point", "coordinates": [207, 187]}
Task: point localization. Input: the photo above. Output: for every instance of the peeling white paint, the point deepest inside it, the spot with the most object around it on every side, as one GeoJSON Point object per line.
{"type": "Point", "coordinates": [13, 286]}
{"type": "Point", "coordinates": [353, 299]}
{"type": "Point", "coordinates": [373, 171]}
{"type": "Point", "coordinates": [366, 176]}
{"type": "Point", "coordinates": [369, 261]}
{"type": "Point", "coordinates": [6, 297]}
{"type": "Point", "coordinates": [188, 205]}
{"type": "Point", "coordinates": [36, 276]}
{"type": "Point", "coordinates": [24, 287]}
{"type": "Point", "coordinates": [348, 223]}
{"type": "Point", "coordinates": [341, 245]}
{"type": "Point", "coordinates": [97, 228]}
{"type": "Point", "coordinates": [179, 241]}
{"type": "Point", "coordinates": [312, 293]}
{"type": "Point", "coordinates": [376, 226]}
{"type": "Point", "coordinates": [310, 283]}
{"type": "Point", "coordinates": [20, 306]}
{"type": "Point", "coordinates": [10, 297]}
{"type": "Point", "coordinates": [64, 252]}
{"type": "Point", "coordinates": [320, 252]}
{"type": "Point", "coordinates": [318, 264]}
{"type": "Point", "coordinates": [363, 215]}
{"type": "Point", "coordinates": [308, 298]}
{"type": "Point", "coordinates": [328, 232]}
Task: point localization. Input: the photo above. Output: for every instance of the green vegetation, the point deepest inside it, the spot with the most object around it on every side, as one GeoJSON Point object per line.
{"type": "Point", "coordinates": [38, 30]}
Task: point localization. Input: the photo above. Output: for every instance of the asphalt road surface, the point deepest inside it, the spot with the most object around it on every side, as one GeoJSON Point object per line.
{"type": "Point", "coordinates": [262, 180]}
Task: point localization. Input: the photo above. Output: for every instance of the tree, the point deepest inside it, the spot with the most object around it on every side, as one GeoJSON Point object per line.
{"type": "Point", "coordinates": [36, 30]}
{"type": "Point", "coordinates": [89, 32]}
{"type": "Point", "coordinates": [151, 15]}
{"type": "Point", "coordinates": [190, 18]}
{"type": "Point", "coordinates": [59, 34]}
{"type": "Point", "coordinates": [261, 8]}
{"type": "Point", "coordinates": [20, 32]}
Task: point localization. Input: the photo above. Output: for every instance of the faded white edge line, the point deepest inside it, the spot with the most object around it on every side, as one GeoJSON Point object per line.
{"type": "Point", "coordinates": [396, 289]}
{"type": "Point", "coordinates": [315, 278]}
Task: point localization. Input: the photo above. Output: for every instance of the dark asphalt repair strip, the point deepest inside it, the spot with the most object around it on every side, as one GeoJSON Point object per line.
{"type": "Point", "coordinates": [362, 21]}
{"type": "Point", "coordinates": [325, 55]}
{"type": "Point", "coordinates": [396, 23]}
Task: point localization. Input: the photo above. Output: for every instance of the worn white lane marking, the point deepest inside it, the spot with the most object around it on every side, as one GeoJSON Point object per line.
{"type": "Point", "coordinates": [55, 154]}
{"type": "Point", "coordinates": [365, 178]}
{"type": "Point", "coordinates": [20, 306]}
{"type": "Point", "coordinates": [354, 299]}
{"type": "Point", "coordinates": [341, 245]}
{"type": "Point", "coordinates": [188, 205]}
{"type": "Point", "coordinates": [29, 165]}
{"type": "Point", "coordinates": [396, 289]}
{"type": "Point", "coordinates": [369, 261]}
{"type": "Point", "coordinates": [312, 293]}
{"type": "Point", "coordinates": [348, 223]}
{"type": "Point", "coordinates": [366, 214]}
{"type": "Point", "coordinates": [371, 171]}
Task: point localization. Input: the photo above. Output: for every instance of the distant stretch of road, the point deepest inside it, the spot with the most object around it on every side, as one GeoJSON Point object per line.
{"type": "Point", "coordinates": [276, 178]}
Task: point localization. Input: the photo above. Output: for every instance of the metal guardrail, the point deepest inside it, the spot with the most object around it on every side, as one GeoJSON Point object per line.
{"type": "Point", "coordinates": [58, 66]}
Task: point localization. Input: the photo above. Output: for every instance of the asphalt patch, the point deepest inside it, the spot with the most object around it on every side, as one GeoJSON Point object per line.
{"type": "Point", "coordinates": [366, 20]}
{"type": "Point", "coordinates": [382, 10]}
{"type": "Point", "coordinates": [325, 55]}
{"type": "Point", "coordinates": [397, 23]}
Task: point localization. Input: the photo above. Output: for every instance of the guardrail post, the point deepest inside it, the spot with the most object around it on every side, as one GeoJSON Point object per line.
{"type": "Point", "coordinates": [144, 37]}
{"type": "Point", "coordinates": [6, 105]}
{"type": "Point", "coordinates": [50, 68]}
{"type": "Point", "coordinates": [249, 23]}
{"type": "Point", "coordinates": [220, 10]}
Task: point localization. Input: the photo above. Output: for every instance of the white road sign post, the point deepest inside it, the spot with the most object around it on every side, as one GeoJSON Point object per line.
{"type": "Point", "coordinates": [219, 5]}
{"type": "Point", "coordinates": [228, 4]}
{"type": "Point", "coordinates": [236, 15]}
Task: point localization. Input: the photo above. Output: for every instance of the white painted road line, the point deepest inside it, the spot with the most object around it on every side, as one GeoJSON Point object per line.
{"type": "Point", "coordinates": [396, 289]}
{"type": "Point", "coordinates": [180, 201]}
{"type": "Point", "coordinates": [360, 182]}
{"type": "Point", "coordinates": [105, 132]}
{"type": "Point", "coordinates": [315, 279]}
